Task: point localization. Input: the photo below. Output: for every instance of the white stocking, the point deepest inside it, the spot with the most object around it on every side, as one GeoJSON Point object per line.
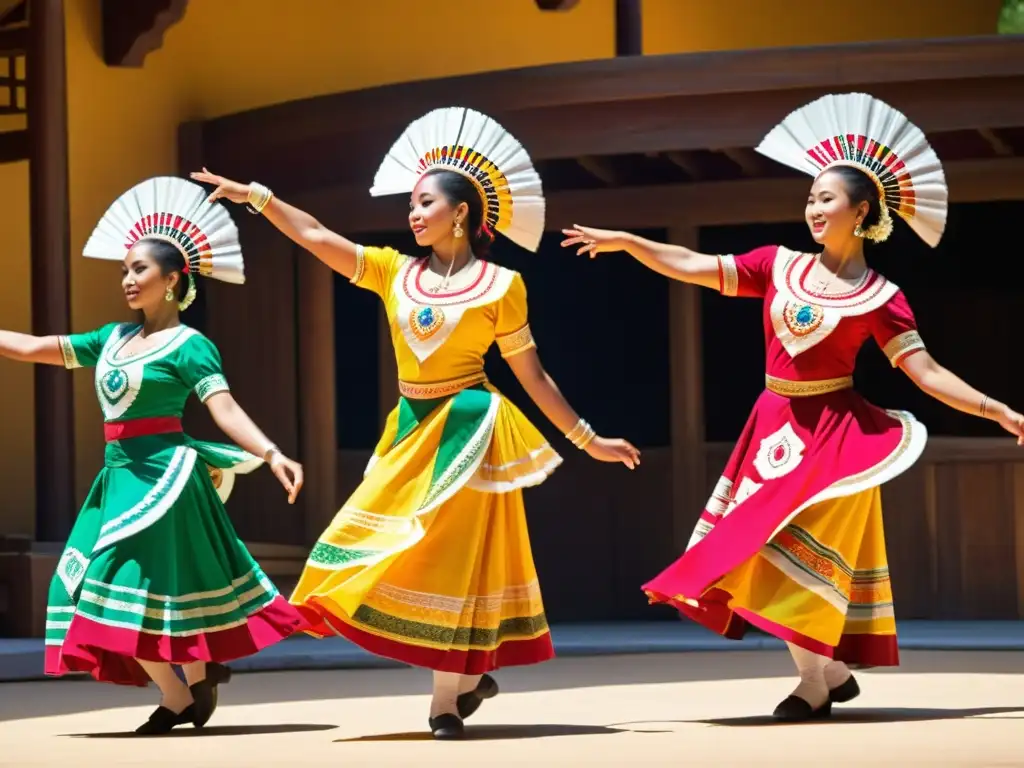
{"type": "Point", "coordinates": [446, 691]}
{"type": "Point", "coordinates": [836, 673]}
{"type": "Point", "coordinates": [811, 667]}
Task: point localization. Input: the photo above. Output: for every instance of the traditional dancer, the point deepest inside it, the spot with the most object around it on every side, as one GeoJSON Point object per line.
{"type": "Point", "coordinates": [153, 573]}
{"type": "Point", "coordinates": [791, 539]}
{"type": "Point", "coordinates": [429, 560]}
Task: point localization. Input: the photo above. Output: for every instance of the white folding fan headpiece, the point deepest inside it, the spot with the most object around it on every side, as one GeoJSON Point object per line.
{"type": "Point", "coordinates": [859, 130]}
{"type": "Point", "coordinates": [177, 211]}
{"type": "Point", "coordinates": [470, 143]}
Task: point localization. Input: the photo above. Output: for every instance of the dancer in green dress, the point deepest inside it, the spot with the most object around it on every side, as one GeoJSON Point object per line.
{"type": "Point", "coordinates": [153, 573]}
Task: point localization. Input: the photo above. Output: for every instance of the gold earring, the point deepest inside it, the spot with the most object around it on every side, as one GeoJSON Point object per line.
{"type": "Point", "coordinates": [458, 229]}
{"type": "Point", "coordinates": [169, 295]}
{"type": "Point", "coordinates": [858, 231]}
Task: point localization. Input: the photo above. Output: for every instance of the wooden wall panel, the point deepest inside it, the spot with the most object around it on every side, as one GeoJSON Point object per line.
{"type": "Point", "coordinates": [255, 329]}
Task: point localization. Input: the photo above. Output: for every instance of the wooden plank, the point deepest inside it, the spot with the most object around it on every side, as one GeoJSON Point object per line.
{"type": "Point", "coordinates": [1017, 563]}
{"type": "Point", "coordinates": [50, 232]}
{"type": "Point", "coordinates": [350, 209]}
{"type": "Point", "coordinates": [292, 161]}
{"type": "Point", "coordinates": [259, 349]}
{"type": "Point", "coordinates": [821, 68]}
{"type": "Point", "coordinates": [986, 541]}
{"type": "Point", "coordinates": [686, 362]}
{"type": "Point", "coordinates": [317, 393]}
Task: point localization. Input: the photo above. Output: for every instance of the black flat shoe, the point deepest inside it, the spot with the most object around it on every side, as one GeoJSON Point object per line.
{"type": "Point", "coordinates": [447, 727]}
{"type": "Point", "coordinates": [848, 691]}
{"type": "Point", "coordinates": [793, 709]}
{"type": "Point", "coordinates": [205, 692]}
{"type": "Point", "coordinates": [163, 720]}
{"type": "Point", "coordinates": [470, 702]}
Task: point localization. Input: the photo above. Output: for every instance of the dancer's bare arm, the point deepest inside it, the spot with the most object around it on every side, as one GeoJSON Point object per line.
{"type": "Point", "coordinates": [541, 388]}
{"type": "Point", "coordinates": [672, 261]}
{"type": "Point", "coordinates": [25, 348]}
{"type": "Point", "coordinates": [236, 424]}
{"type": "Point", "coordinates": [332, 249]}
{"type": "Point", "coordinates": [946, 387]}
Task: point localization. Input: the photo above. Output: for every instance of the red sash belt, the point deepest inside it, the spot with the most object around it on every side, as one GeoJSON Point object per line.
{"type": "Point", "coordinates": [123, 430]}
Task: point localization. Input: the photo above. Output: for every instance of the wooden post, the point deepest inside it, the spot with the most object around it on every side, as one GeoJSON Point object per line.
{"type": "Point", "coordinates": [51, 285]}
{"type": "Point", "coordinates": [629, 28]}
{"type": "Point", "coordinates": [689, 472]}
{"type": "Point", "coordinates": [318, 431]}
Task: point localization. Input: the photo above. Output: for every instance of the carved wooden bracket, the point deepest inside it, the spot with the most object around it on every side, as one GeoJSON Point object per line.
{"type": "Point", "coordinates": [556, 5]}
{"type": "Point", "coordinates": [132, 29]}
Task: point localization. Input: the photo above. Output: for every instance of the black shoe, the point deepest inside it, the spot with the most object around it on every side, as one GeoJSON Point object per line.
{"type": "Point", "coordinates": [163, 720]}
{"type": "Point", "coordinates": [447, 727]}
{"type": "Point", "coordinates": [470, 702]}
{"type": "Point", "coordinates": [848, 691]}
{"type": "Point", "coordinates": [205, 692]}
{"type": "Point", "coordinates": [793, 709]}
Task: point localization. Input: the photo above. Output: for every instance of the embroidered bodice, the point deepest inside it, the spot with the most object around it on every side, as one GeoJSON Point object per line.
{"type": "Point", "coordinates": [811, 336]}
{"type": "Point", "coordinates": [443, 335]}
{"type": "Point", "coordinates": [154, 382]}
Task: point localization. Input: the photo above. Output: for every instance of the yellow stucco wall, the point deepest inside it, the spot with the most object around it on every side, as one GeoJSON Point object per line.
{"type": "Point", "coordinates": [681, 26]}
{"type": "Point", "coordinates": [231, 55]}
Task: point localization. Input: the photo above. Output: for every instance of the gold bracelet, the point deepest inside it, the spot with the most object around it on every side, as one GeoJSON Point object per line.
{"type": "Point", "coordinates": [587, 439]}
{"type": "Point", "coordinates": [585, 434]}
{"type": "Point", "coordinates": [259, 197]}
{"type": "Point", "coordinates": [578, 429]}
{"type": "Point", "coordinates": [984, 405]}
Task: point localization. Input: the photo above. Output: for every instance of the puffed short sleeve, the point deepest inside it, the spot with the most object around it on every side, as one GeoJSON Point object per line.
{"type": "Point", "coordinates": [512, 327]}
{"type": "Point", "coordinates": [376, 268]}
{"type": "Point", "coordinates": [747, 275]}
{"type": "Point", "coordinates": [200, 367]}
{"type": "Point", "coordinates": [895, 329]}
{"type": "Point", "coordinates": [83, 350]}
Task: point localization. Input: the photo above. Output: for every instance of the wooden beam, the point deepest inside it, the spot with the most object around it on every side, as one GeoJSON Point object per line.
{"type": "Point", "coordinates": [599, 169]}
{"type": "Point", "coordinates": [749, 162]}
{"type": "Point", "coordinates": [995, 141]}
{"type": "Point", "coordinates": [686, 362]}
{"type": "Point", "coordinates": [133, 29]}
{"type": "Point", "coordinates": [629, 28]}
{"type": "Point", "coordinates": [14, 146]}
{"type": "Point", "coordinates": [684, 162]}
{"type": "Point", "coordinates": [556, 5]}
{"type": "Point", "coordinates": [50, 234]}
{"type": "Point", "coordinates": [817, 68]}
{"type": "Point", "coordinates": [652, 125]}
{"type": "Point", "coordinates": [351, 210]}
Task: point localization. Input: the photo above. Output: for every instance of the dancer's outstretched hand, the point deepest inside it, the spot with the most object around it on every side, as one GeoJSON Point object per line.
{"type": "Point", "coordinates": [593, 241]}
{"type": "Point", "coordinates": [288, 473]}
{"type": "Point", "coordinates": [1013, 423]}
{"type": "Point", "coordinates": [613, 449]}
{"type": "Point", "coordinates": [232, 190]}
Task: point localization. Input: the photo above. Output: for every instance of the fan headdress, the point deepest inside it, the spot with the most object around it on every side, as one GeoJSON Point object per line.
{"type": "Point", "coordinates": [476, 146]}
{"type": "Point", "coordinates": [856, 129]}
{"type": "Point", "coordinates": [176, 211]}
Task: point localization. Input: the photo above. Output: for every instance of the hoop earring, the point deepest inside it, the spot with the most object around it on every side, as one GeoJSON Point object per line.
{"type": "Point", "coordinates": [458, 229]}
{"type": "Point", "coordinates": [169, 295]}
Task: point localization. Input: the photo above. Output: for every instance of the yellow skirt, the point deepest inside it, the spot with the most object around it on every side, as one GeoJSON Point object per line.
{"type": "Point", "coordinates": [429, 561]}
{"type": "Point", "coordinates": [822, 583]}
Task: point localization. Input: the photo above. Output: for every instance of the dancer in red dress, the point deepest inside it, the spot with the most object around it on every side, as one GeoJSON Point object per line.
{"type": "Point", "coordinates": [791, 540]}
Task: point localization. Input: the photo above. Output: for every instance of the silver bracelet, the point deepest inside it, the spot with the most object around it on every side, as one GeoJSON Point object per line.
{"type": "Point", "coordinates": [259, 197]}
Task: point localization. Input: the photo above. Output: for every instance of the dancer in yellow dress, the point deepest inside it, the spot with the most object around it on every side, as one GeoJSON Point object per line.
{"type": "Point", "coordinates": [429, 561]}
